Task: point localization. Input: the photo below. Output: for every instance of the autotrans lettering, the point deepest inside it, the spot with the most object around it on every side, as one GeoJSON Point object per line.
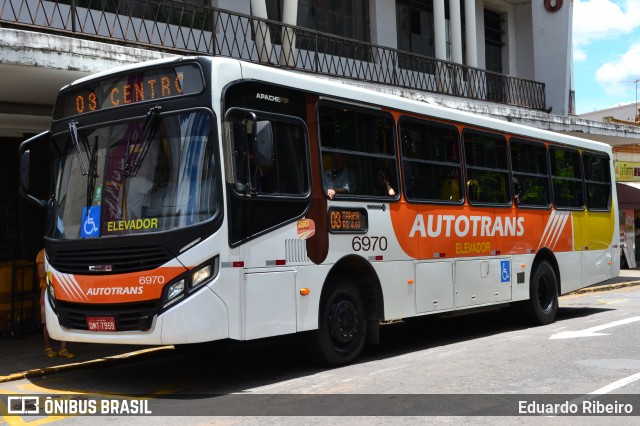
{"type": "Point", "coordinates": [465, 226]}
{"type": "Point", "coordinates": [126, 225]}
{"type": "Point", "coordinates": [114, 291]}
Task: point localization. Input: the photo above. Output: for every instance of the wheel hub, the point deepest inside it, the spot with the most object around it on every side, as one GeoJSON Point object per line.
{"type": "Point", "coordinates": [343, 321]}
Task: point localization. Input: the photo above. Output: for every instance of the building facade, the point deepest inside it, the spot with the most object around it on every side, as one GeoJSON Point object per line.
{"type": "Point", "coordinates": [509, 59]}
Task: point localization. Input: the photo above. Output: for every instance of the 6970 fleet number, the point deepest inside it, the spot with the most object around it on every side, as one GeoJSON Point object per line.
{"type": "Point", "coordinates": [151, 279]}
{"type": "Point", "coordinates": [369, 243]}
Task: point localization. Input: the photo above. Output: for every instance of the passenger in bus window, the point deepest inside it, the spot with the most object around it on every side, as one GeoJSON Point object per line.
{"type": "Point", "coordinates": [339, 179]}
{"type": "Point", "coordinates": [383, 184]}
{"type": "Point", "coordinates": [517, 190]}
{"type": "Point", "coordinates": [450, 190]}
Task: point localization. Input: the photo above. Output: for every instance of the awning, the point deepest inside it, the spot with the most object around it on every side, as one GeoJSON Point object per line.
{"type": "Point", "coordinates": [628, 195]}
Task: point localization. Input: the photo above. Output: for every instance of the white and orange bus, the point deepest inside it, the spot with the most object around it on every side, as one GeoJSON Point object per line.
{"type": "Point", "coordinates": [200, 199]}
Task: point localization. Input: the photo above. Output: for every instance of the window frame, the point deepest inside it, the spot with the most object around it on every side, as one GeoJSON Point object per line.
{"type": "Point", "coordinates": [282, 118]}
{"type": "Point", "coordinates": [431, 123]}
{"type": "Point", "coordinates": [594, 182]}
{"type": "Point", "coordinates": [393, 158]}
{"type": "Point", "coordinates": [507, 170]}
{"type": "Point", "coordinates": [519, 140]}
{"type": "Point", "coordinates": [551, 148]}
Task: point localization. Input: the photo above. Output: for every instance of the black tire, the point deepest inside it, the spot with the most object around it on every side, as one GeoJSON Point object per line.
{"type": "Point", "coordinates": [342, 325]}
{"type": "Point", "coordinates": [542, 306]}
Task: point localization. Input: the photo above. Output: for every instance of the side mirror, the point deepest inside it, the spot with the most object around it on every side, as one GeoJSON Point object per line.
{"type": "Point", "coordinates": [25, 168]}
{"type": "Point", "coordinates": [238, 129]}
{"type": "Point", "coordinates": [249, 148]}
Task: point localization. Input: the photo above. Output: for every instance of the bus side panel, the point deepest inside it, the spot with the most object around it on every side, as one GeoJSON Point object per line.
{"type": "Point", "coordinates": [312, 278]}
{"type": "Point", "coordinates": [201, 318]}
{"type": "Point", "coordinates": [227, 287]}
{"type": "Point", "coordinates": [596, 267]}
{"type": "Point", "coordinates": [570, 278]}
{"type": "Point", "coordinates": [434, 286]}
{"type": "Point", "coordinates": [520, 275]}
{"type": "Point", "coordinates": [270, 304]}
{"type": "Point", "coordinates": [483, 281]}
{"type": "Point", "coordinates": [398, 291]}
{"type": "Point", "coordinates": [597, 231]}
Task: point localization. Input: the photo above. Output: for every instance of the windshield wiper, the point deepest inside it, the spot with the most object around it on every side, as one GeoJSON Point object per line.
{"type": "Point", "coordinates": [93, 174]}
{"type": "Point", "coordinates": [145, 137]}
{"type": "Point", "coordinates": [73, 133]}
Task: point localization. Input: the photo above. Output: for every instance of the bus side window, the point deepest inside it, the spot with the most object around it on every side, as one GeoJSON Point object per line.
{"type": "Point", "coordinates": [272, 162]}
{"type": "Point", "coordinates": [566, 172]}
{"type": "Point", "coordinates": [358, 152]}
{"type": "Point", "coordinates": [431, 161]}
{"type": "Point", "coordinates": [487, 168]}
{"type": "Point", "coordinates": [597, 181]}
{"type": "Point", "coordinates": [530, 173]}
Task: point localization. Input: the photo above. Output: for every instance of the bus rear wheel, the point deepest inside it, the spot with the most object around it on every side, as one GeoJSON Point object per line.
{"type": "Point", "coordinates": [342, 325]}
{"type": "Point", "coordinates": [542, 306]}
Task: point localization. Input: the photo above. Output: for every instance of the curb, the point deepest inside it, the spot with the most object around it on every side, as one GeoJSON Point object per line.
{"type": "Point", "coordinates": [58, 368]}
{"type": "Point", "coordinates": [606, 287]}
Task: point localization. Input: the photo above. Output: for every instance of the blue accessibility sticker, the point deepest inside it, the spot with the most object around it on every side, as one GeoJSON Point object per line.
{"type": "Point", "coordinates": [505, 271]}
{"type": "Point", "coordinates": [90, 222]}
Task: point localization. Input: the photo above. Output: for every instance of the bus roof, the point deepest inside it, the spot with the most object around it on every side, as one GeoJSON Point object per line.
{"type": "Point", "coordinates": [348, 91]}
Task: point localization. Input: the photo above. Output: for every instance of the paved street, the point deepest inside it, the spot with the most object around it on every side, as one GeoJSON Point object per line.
{"type": "Point", "coordinates": [591, 348]}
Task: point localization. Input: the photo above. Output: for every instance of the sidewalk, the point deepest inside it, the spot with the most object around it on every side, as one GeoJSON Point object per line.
{"type": "Point", "coordinates": [24, 357]}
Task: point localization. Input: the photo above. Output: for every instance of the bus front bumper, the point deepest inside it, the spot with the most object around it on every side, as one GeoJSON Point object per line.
{"type": "Point", "coordinates": [200, 318]}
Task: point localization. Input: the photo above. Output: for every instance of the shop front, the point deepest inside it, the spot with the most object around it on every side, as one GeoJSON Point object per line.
{"type": "Point", "coordinates": [628, 189]}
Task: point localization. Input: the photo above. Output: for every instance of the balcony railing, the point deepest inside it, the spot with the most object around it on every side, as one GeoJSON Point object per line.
{"type": "Point", "coordinates": [178, 27]}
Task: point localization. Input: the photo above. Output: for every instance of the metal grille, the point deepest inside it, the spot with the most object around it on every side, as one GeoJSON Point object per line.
{"type": "Point", "coordinates": [128, 317]}
{"type": "Point", "coordinates": [296, 251]}
{"type": "Point", "coordinates": [183, 28]}
{"type": "Point", "coordinates": [120, 259]}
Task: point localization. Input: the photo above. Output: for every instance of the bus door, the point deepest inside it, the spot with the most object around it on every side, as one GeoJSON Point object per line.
{"type": "Point", "coordinates": [268, 192]}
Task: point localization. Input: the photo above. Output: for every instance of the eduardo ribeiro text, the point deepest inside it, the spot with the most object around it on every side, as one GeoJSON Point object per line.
{"type": "Point", "coordinates": [569, 407]}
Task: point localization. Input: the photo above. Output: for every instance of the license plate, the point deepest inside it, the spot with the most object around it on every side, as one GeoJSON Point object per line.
{"type": "Point", "coordinates": [101, 323]}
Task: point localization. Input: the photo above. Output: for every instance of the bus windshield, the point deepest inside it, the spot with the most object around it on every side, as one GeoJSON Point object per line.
{"type": "Point", "coordinates": [154, 173]}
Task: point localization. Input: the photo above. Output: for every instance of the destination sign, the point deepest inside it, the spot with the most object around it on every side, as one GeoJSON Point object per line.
{"type": "Point", "coordinates": [347, 220]}
{"type": "Point", "coordinates": [131, 88]}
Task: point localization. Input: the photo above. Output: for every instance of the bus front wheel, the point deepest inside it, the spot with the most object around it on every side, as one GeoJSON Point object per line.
{"type": "Point", "coordinates": [342, 325]}
{"type": "Point", "coordinates": [542, 306]}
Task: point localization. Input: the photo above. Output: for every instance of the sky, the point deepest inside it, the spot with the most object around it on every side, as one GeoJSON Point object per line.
{"type": "Point", "coordinates": [606, 53]}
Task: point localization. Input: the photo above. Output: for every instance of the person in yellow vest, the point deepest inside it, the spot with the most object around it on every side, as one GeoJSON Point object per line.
{"type": "Point", "coordinates": [450, 190]}
{"type": "Point", "coordinates": [48, 349]}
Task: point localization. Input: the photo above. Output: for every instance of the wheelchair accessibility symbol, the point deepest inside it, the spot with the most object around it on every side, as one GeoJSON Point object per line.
{"type": "Point", "coordinates": [90, 222]}
{"type": "Point", "coordinates": [505, 271]}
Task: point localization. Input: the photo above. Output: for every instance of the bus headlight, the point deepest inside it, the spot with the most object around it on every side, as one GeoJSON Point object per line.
{"type": "Point", "coordinates": [189, 282]}
{"type": "Point", "coordinates": [200, 276]}
{"type": "Point", "coordinates": [174, 291]}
